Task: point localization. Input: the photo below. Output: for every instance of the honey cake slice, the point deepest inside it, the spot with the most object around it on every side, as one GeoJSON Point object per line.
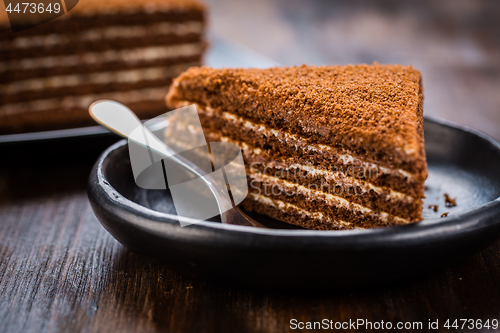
{"type": "Point", "coordinates": [333, 147]}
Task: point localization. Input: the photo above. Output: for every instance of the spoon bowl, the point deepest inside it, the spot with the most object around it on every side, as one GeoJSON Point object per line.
{"type": "Point", "coordinates": [122, 121]}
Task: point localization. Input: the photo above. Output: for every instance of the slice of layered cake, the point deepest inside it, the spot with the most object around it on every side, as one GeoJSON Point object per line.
{"type": "Point", "coordinates": [335, 147]}
{"type": "Point", "coordinates": [122, 50]}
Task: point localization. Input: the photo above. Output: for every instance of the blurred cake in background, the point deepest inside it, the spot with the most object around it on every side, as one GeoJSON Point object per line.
{"type": "Point", "coordinates": [124, 50]}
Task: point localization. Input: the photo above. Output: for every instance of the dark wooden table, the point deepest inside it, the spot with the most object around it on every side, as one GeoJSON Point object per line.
{"type": "Point", "coordinates": [61, 271]}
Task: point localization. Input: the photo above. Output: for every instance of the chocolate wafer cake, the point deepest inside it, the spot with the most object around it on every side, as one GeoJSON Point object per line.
{"type": "Point", "coordinates": [123, 50]}
{"type": "Point", "coordinates": [335, 147]}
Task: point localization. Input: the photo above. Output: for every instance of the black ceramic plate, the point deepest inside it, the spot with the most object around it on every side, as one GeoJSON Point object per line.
{"type": "Point", "coordinates": [462, 162]}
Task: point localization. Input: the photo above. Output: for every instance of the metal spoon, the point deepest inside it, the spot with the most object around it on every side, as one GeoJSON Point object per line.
{"type": "Point", "coordinates": [122, 121]}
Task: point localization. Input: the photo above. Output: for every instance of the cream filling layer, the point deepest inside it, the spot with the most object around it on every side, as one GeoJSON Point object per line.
{"type": "Point", "coordinates": [127, 76]}
{"type": "Point", "coordinates": [326, 197]}
{"type": "Point", "coordinates": [146, 8]}
{"type": "Point", "coordinates": [287, 207]}
{"type": "Point", "coordinates": [83, 101]}
{"type": "Point", "coordinates": [112, 32]}
{"type": "Point", "coordinates": [336, 177]}
{"type": "Point", "coordinates": [345, 156]}
{"type": "Point", "coordinates": [92, 58]}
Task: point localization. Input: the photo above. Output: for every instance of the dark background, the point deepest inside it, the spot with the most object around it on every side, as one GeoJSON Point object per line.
{"type": "Point", "coordinates": [454, 43]}
{"type": "Point", "coordinates": [61, 271]}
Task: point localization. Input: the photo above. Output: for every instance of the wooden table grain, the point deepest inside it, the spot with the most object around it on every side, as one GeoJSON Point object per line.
{"type": "Point", "coordinates": [60, 271]}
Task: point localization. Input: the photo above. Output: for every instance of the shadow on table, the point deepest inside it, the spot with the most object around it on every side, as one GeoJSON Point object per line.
{"type": "Point", "coordinates": [52, 167]}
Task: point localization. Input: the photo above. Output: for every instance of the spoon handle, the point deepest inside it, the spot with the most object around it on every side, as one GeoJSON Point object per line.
{"type": "Point", "coordinates": [121, 120]}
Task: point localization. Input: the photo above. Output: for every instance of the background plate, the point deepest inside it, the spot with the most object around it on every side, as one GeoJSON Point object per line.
{"type": "Point", "coordinates": [462, 162]}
